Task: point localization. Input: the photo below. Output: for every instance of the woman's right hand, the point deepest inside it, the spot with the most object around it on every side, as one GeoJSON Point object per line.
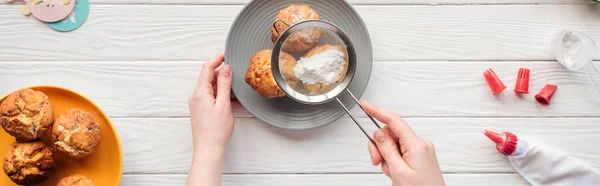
{"type": "Point", "coordinates": [406, 158]}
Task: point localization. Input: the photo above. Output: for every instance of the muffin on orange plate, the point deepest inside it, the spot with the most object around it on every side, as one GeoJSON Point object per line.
{"type": "Point", "coordinates": [319, 88]}
{"type": "Point", "coordinates": [76, 180]}
{"type": "Point", "coordinates": [28, 163]}
{"type": "Point", "coordinates": [303, 39]}
{"type": "Point", "coordinates": [260, 76]}
{"type": "Point", "coordinates": [76, 133]}
{"type": "Point", "coordinates": [26, 114]}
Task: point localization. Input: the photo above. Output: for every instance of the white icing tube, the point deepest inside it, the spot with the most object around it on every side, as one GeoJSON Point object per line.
{"type": "Point", "coordinates": [541, 165]}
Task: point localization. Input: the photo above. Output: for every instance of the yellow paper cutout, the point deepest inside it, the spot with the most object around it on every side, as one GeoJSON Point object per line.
{"type": "Point", "coordinates": [25, 10]}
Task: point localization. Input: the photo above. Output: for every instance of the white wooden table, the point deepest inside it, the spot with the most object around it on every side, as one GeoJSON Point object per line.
{"type": "Point", "coordinates": [139, 60]}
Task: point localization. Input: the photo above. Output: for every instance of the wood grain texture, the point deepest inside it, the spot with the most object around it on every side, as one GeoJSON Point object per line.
{"type": "Point", "coordinates": [196, 32]}
{"type": "Point", "coordinates": [356, 2]}
{"type": "Point", "coordinates": [322, 180]}
{"type": "Point", "coordinates": [414, 89]}
{"type": "Point", "coordinates": [165, 145]}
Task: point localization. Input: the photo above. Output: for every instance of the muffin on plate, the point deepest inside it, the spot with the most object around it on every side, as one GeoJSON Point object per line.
{"type": "Point", "coordinates": [320, 88]}
{"type": "Point", "coordinates": [76, 180]}
{"type": "Point", "coordinates": [301, 40]}
{"type": "Point", "coordinates": [28, 163]}
{"type": "Point", "coordinates": [260, 76]}
{"type": "Point", "coordinates": [76, 133]}
{"type": "Point", "coordinates": [26, 114]}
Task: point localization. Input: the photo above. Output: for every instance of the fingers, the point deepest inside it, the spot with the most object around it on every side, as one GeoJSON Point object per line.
{"type": "Point", "coordinates": [380, 114]}
{"type": "Point", "coordinates": [388, 130]}
{"type": "Point", "coordinates": [385, 169]}
{"type": "Point", "coordinates": [376, 158]}
{"type": "Point", "coordinates": [207, 74]}
{"type": "Point", "coordinates": [389, 150]}
{"type": "Point", "coordinates": [232, 95]}
{"type": "Point", "coordinates": [396, 124]}
{"type": "Point", "coordinates": [224, 86]}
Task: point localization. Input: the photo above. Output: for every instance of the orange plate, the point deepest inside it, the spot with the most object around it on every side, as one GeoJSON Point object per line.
{"type": "Point", "coordinates": [104, 166]}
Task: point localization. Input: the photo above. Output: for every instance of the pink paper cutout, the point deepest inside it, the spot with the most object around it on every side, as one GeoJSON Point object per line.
{"type": "Point", "coordinates": [49, 12]}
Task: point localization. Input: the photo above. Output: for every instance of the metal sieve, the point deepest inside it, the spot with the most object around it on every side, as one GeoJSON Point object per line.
{"type": "Point", "coordinates": [321, 34]}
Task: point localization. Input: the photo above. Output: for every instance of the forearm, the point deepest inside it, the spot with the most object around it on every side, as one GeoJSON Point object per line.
{"type": "Point", "coordinates": [207, 167]}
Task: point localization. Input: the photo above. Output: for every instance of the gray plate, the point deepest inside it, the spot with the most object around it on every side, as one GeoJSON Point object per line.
{"type": "Point", "coordinates": [250, 33]}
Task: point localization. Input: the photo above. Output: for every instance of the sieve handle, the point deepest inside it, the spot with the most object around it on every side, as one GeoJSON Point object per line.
{"type": "Point", "coordinates": [275, 25]}
{"type": "Point", "coordinates": [354, 119]}
{"type": "Point", "coordinates": [363, 109]}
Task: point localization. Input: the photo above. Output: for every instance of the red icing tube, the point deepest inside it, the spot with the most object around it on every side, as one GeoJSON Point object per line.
{"type": "Point", "coordinates": [541, 164]}
{"type": "Point", "coordinates": [506, 143]}
{"type": "Point", "coordinates": [493, 81]}
{"type": "Point", "coordinates": [522, 85]}
{"type": "Point", "coordinates": [546, 94]}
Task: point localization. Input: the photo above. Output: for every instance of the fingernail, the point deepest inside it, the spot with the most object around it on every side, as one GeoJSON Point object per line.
{"type": "Point", "coordinates": [226, 71]}
{"type": "Point", "coordinates": [380, 136]}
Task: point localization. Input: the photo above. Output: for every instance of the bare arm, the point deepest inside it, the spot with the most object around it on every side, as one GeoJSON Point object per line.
{"type": "Point", "coordinates": [207, 168]}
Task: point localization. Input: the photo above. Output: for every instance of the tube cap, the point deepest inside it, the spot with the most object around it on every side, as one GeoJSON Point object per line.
{"type": "Point", "coordinates": [522, 85]}
{"type": "Point", "coordinates": [546, 94]}
{"type": "Point", "coordinates": [493, 81]}
{"type": "Point", "coordinates": [506, 143]}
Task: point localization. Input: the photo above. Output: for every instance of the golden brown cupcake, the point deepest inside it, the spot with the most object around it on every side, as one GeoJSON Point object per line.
{"type": "Point", "coordinates": [76, 133]}
{"type": "Point", "coordinates": [260, 76]}
{"type": "Point", "coordinates": [26, 114]}
{"type": "Point", "coordinates": [320, 88]}
{"type": "Point", "coordinates": [301, 40]}
{"type": "Point", "coordinates": [76, 180]}
{"type": "Point", "coordinates": [28, 163]}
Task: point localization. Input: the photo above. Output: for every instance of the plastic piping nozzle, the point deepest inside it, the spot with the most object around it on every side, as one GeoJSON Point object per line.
{"type": "Point", "coordinates": [493, 81]}
{"type": "Point", "coordinates": [546, 94]}
{"type": "Point", "coordinates": [522, 85]}
{"type": "Point", "coordinates": [506, 143]}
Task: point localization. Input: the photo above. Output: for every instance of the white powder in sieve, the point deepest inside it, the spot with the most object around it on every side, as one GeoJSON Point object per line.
{"type": "Point", "coordinates": [572, 44]}
{"type": "Point", "coordinates": [324, 67]}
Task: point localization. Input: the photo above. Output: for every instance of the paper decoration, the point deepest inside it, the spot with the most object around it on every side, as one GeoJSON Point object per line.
{"type": "Point", "coordinates": [75, 19]}
{"type": "Point", "coordinates": [49, 10]}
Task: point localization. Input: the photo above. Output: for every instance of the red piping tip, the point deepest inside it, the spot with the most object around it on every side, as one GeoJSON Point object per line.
{"type": "Point", "coordinates": [506, 143]}
{"type": "Point", "coordinates": [493, 81]}
{"type": "Point", "coordinates": [495, 137]}
{"type": "Point", "coordinates": [522, 85]}
{"type": "Point", "coordinates": [546, 94]}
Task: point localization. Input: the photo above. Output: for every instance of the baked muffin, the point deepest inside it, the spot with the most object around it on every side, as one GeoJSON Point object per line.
{"type": "Point", "coordinates": [28, 163]}
{"type": "Point", "coordinates": [76, 133]}
{"type": "Point", "coordinates": [301, 40]}
{"type": "Point", "coordinates": [320, 88]}
{"type": "Point", "coordinates": [76, 180]}
{"type": "Point", "coordinates": [260, 76]}
{"type": "Point", "coordinates": [26, 114]}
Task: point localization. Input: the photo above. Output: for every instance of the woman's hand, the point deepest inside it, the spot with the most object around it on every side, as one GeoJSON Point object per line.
{"type": "Point", "coordinates": [210, 110]}
{"type": "Point", "coordinates": [212, 122]}
{"type": "Point", "coordinates": [406, 158]}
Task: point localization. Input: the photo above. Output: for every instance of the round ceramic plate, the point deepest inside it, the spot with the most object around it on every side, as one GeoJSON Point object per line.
{"type": "Point", "coordinates": [250, 33]}
{"type": "Point", "coordinates": [104, 166]}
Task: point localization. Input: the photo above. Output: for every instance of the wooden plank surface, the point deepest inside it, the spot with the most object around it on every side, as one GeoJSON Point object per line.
{"type": "Point", "coordinates": [165, 145]}
{"type": "Point", "coordinates": [139, 60]}
{"type": "Point", "coordinates": [422, 32]}
{"type": "Point", "coordinates": [414, 89]}
{"type": "Point", "coordinates": [323, 180]}
{"type": "Point", "coordinates": [356, 2]}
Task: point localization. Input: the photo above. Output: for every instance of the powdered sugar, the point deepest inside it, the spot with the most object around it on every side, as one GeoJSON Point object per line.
{"type": "Point", "coordinates": [573, 45]}
{"type": "Point", "coordinates": [324, 67]}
